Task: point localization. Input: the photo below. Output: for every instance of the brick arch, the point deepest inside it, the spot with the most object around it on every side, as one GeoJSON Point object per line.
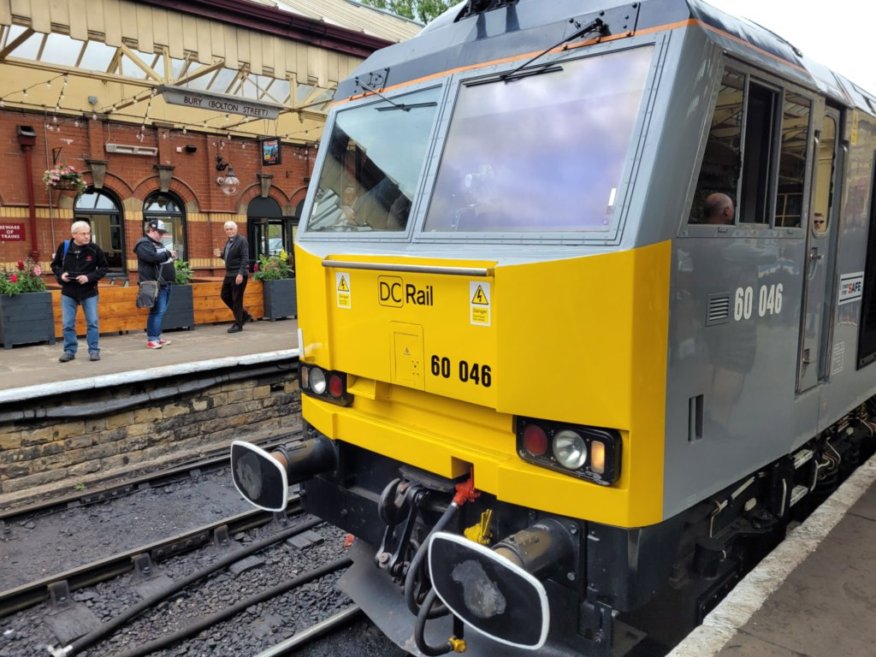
{"type": "Point", "coordinates": [180, 188]}
{"type": "Point", "coordinates": [113, 183]}
{"type": "Point", "coordinates": [295, 198]}
{"type": "Point", "coordinates": [254, 191]}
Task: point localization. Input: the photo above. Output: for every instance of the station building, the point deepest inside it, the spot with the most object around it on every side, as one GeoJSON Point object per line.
{"type": "Point", "coordinates": [191, 112]}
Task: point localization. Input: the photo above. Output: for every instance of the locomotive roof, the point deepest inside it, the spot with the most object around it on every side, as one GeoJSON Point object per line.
{"type": "Point", "coordinates": [456, 39]}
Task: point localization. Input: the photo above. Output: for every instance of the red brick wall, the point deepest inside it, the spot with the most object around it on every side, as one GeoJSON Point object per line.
{"type": "Point", "coordinates": [132, 177]}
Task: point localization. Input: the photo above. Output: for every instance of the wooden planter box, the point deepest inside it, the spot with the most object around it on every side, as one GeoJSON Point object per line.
{"type": "Point", "coordinates": [181, 310]}
{"type": "Point", "coordinates": [280, 298]}
{"type": "Point", "coordinates": [117, 309]}
{"type": "Point", "coordinates": [26, 318]}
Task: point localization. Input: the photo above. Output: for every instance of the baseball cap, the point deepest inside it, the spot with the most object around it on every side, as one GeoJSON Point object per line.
{"type": "Point", "coordinates": [157, 224]}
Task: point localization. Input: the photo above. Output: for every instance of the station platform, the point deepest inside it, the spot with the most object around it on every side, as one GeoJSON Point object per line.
{"type": "Point", "coordinates": [32, 371]}
{"type": "Point", "coordinates": [813, 596]}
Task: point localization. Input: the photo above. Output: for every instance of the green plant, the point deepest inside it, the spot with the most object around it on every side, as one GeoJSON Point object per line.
{"type": "Point", "coordinates": [23, 279]}
{"type": "Point", "coordinates": [64, 176]}
{"type": "Point", "coordinates": [183, 272]}
{"type": "Point", "coordinates": [273, 268]}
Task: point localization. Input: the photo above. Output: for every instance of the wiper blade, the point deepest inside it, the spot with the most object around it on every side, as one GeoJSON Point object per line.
{"type": "Point", "coordinates": [405, 107]}
{"type": "Point", "coordinates": [510, 77]}
{"type": "Point", "coordinates": [596, 25]}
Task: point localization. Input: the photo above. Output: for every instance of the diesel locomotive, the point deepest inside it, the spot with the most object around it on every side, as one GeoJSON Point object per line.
{"type": "Point", "coordinates": [587, 318]}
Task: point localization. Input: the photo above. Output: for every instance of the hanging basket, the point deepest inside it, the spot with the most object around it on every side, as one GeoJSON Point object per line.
{"type": "Point", "coordinates": [67, 184]}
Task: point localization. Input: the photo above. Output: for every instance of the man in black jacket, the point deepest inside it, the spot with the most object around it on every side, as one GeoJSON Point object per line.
{"type": "Point", "coordinates": [78, 265]}
{"type": "Point", "coordinates": [155, 263]}
{"type": "Point", "coordinates": [236, 257]}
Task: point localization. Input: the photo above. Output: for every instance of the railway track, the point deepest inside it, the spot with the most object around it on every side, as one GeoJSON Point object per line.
{"type": "Point", "coordinates": [140, 559]}
{"type": "Point", "coordinates": [236, 584]}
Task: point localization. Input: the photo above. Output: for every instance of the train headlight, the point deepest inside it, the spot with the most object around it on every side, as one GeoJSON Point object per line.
{"type": "Point", "coordinates": [569, 449]}
{"type": "Point", "coordinates": [317, 380]}
{"type": "Point", "coordinates": [326, 385]}
{"type": "Point", "coordinates": [590, 453]}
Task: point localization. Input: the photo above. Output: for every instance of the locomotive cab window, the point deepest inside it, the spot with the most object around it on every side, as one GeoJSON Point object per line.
{"type": "Point", "coordinates": [372, 167]}
{"type": "Point", "coordinates": [754, 162]}
{"type": "Point", "coordinates": [540, 153]}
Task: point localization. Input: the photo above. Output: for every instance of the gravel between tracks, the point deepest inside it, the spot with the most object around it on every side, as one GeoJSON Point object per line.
{"type": "Point", "coordinates": [111, 527]}
{"type": "Point", "coordinates": [33, 548]}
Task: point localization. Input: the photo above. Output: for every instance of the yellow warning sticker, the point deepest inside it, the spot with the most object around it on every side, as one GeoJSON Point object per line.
{"type": "Point", "coordinates": [480, 305]}
{"type": "Point", "coordinates": [344, 294]}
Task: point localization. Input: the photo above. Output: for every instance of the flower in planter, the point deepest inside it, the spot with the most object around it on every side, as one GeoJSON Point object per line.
{"type": "Point", "coordinates": [64, 176]}
{"type": "Point", "coordinates": [24, 278]}
{"type": "Point", "coordinates": [273, 268]}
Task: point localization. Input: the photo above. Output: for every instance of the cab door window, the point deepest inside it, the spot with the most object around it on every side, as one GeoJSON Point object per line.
{"type": "Point", "coordinates": [754, 162]}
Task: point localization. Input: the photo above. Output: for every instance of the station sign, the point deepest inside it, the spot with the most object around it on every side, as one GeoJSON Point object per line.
{"type": "Point", "coordinates": [219, 102]}
{"type": "Point", "coordinates": [11, 232]}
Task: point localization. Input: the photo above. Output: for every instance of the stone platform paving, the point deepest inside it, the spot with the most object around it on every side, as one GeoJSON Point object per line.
{"type": "Point", "coordinates": [30, 371]}
{"type": "Point", "coordinates": [813, 596]}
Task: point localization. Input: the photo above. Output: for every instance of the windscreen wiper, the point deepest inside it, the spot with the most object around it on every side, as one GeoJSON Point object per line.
{"type": "Point", "coordinates": [405, 107]}
{"type": "Point", "coordinates": [596, 25]}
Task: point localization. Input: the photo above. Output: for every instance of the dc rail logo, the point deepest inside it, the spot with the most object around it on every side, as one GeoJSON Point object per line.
{"type": "Point", "coordinates": [392, 291]}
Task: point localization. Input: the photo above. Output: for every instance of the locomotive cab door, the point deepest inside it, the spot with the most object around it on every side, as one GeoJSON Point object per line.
{"type": "Point", "coordinates": [821, 233]}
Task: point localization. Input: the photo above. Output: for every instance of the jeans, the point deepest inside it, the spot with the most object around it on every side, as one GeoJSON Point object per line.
{"type": "Point", "coordinates": [68, 320]}
{"type": "Point", "coordinates": [156, 315]}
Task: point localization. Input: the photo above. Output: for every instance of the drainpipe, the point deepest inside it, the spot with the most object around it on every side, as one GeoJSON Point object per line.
{"type": "Point", "coordinates": [26, 140]}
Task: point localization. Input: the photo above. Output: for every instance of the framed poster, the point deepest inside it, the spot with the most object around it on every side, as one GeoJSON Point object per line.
{"type": "Point", "coordinates": [270, 151]}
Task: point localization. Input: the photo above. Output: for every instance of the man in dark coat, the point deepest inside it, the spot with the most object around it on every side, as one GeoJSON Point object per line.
{"type": "Point", "coordinates": [78, 265]}
{"type": "Point", "coordinates": [236, 257]}
{"type": "Point", "coordinates": [155, 263]}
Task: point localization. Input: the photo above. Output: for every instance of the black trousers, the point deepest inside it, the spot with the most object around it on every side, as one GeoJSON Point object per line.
{"type": "Point", "coordinates": [232, 296]}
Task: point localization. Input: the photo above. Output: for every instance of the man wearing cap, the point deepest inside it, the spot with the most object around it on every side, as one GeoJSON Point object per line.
{"type": "Point", "coordinates": [155, 263]}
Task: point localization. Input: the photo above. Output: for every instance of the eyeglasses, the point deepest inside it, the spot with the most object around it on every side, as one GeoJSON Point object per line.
{"type": "Point", "coordinates": [818, 223]}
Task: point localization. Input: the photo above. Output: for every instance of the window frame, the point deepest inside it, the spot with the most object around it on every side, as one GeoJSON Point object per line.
{"type": "Point", "coordinates": [84, 214]}
{"type": "Point", "coordinates": [451, 85]}
{"type": "Point", "coordinates": [172, 218]}
{"type": "Point", "coordinates": [780, 87]}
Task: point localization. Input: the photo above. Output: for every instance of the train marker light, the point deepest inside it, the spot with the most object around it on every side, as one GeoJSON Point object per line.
{"type": "Point", "coordinates": [569, 449]}
{"type": "Point", "coordinates": [535, 440]}
{"type": "Point", "coordinates": [336, 385]}
{"type": "Point", "coordinates": [590, 453]}
{"type": "Point", "coordinates": [597, 456]}
{"type": "Point", "coordinates": [259, 476]}
{"type": "Point", "coordinates": [327, 385]}
{"type": "Point", "coordinates": [488, 592]}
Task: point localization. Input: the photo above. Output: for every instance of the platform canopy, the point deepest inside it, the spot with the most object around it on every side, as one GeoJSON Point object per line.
{"type": "Point", "coordinates": [238, 66]}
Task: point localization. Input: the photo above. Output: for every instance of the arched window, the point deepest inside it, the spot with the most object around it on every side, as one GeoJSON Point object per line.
{"type": "Point", "coordinates": [269, 232]}
{"type": "Point", "coordinates": [169, 209]}
{"type": "Point", "coordinates": [104, 213]}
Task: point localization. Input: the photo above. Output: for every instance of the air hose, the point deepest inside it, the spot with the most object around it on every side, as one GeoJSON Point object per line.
{"type": "Point", "coordinates": [464, 493]}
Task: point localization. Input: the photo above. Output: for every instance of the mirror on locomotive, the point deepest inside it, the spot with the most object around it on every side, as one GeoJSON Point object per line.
{"type": "Point", "coordinates": [259, 477]}
{"type": "Point", "coordinates": [488, 592]}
